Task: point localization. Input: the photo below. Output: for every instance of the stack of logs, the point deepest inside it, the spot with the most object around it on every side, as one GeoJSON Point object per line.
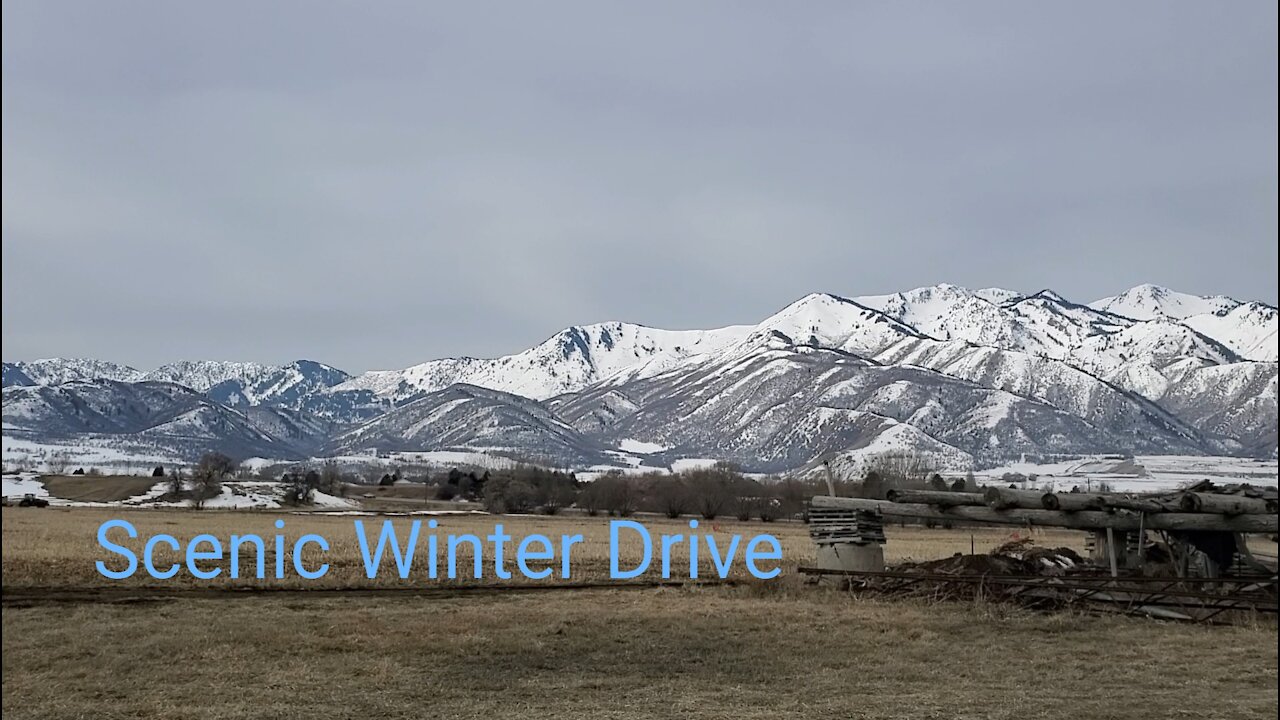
{"type": "Point", "coordinates": [1198, 508]}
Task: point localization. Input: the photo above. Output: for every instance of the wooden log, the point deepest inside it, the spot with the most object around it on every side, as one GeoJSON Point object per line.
{"type": "Point", "coordinates": [1226, 504]}
{"type": "Point", "coordinates": [936, 497]}
{"type": "Point", "coordinates": [1006, 498]}
{"type": "Point", "coordinates": [1145, 505]}
{"type": "Point", "coordinates": [1082, 520]}
{"type": "Point", "coordinates": [1072, 502]}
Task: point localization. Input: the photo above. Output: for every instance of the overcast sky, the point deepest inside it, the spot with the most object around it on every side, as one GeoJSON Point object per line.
{"type": "Point", "coordinates": [377, 184]}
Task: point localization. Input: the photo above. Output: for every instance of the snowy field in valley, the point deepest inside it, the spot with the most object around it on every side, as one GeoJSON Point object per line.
{"type": "Point", "coordinates": [103, 453]}
{"type": "Point", "coordinates": [235, 494]}
{"type": "Point", "coordinates": [1144, 473]}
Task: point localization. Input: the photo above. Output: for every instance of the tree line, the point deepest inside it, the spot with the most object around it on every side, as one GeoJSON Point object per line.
{"type": "Point", "coordinates": [719, 490]}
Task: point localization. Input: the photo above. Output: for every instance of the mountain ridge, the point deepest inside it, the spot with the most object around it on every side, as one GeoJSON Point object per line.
{"type": "Point", "coordinates": [1048, 374]}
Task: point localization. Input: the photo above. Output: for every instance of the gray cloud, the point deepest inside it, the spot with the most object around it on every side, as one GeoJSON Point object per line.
{"type": "Point", "coordinates": [377, 187]}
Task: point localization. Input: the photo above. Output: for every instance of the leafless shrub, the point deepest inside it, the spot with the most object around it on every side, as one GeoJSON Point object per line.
{"type": "Point", "coordinates": [615, 493]}
{"type": "Point", "coordinates": [669, 495]}
{"type": "Point", "coordinates": [57, 462]}
{"type": "Point", "coordinates": [713, 489]}
{"type": "Point", "coordinates": [207, 477]}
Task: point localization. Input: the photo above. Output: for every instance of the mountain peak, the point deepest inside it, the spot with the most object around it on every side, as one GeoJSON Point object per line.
{"type": "Point", "coordinates": [1048, 294]}
{"type": "Point", "coordinates": [831, 321]}
{"type": "Point", "coordinates": [1149, 301]}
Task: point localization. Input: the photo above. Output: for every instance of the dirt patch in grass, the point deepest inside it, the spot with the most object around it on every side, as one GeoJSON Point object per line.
{"type": "Point", "coordinates": [98, 488]}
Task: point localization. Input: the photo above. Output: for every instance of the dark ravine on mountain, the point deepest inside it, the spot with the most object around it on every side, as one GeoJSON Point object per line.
{"type": "Point", "coordinates": [970, 376]}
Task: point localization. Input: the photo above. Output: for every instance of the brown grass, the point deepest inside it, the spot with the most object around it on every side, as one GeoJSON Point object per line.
{"type": "Point", "coordinates": [58, 546]}
{"type": "Point", "coordinates": [97, 488]}
{"type": "Point", "coordinates": [612, 654]}
{"type": "Point", "coordinates": [760, 650]}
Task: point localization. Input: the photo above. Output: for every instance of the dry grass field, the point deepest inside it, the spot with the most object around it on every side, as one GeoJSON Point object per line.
{"type": "Point", "coordinates": [58, 546]}
{"type": "Point", "coordinates": [755, 650]}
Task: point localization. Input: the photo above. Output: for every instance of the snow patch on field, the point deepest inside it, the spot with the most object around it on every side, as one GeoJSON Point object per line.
{"type": "Point", "coordinates": [244, 495]}
{"type": "Point", "coordinates": [235, 494]}
{"type": "Point", "coordinates": [20, 485]}
{"type": "Point", "coordinates": [86, 452]}
{"type": "Point", "coordinates": [639, 446]}
{"type": "Point", "coordinates": [685, 464]}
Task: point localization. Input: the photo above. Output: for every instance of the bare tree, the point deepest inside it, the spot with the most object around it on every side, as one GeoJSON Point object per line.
{"type": "Point", "coordinates": [618, 493]}
{"type": "Point", "coordinates": [769, 507]}
{"type": "Point", "coordinates": [299, 487]}
{"type": "Point", "coordinates": [873, 486]}
{"type": "Point", "coordinates": [175, 484]}
{"type": "Point", "coordinates": [57, 462]}
{"type": "Point", "coordinates": [330, 478]}
{"type": "Point", "coordinates": [713, 489]}
{"type": "Point", "coordinates": [591, 498]}
{"type": "Point", "coordinates": [506, 494]}
{"type": "Point", "coordinates": [902, 468]}
{"type": "Point", "coordinates": [670, 496]}
{"type": "Point", "coordinates": [207, 478]}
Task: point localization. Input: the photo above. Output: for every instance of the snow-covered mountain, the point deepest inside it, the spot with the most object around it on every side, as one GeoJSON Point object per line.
{"type": "Point", "coordinates": [788, 404]}
{"type": "Point", "coordinates": [569, 360]}
{"type": "Point", "coordinates": [160, 417]}
{"type": "Point", "coordinates": [1148, 302]}
{"type": "Point", "coordinates": [1041, 324]}
{"type": "Point", "coordinates": [466, 417]}
{"type": "Point", "coordinates": [243, 384]}
{"type": "Point", "coordinates": [55, 371]}
{"type": "Point", "coordinates": [14, 375]}
{"type": "Point", "coordinates": [1249, 329]}
{"type": "Point", "coordinates": [968, 375]}
{"type": "Point", "coordinates": [231, 383]}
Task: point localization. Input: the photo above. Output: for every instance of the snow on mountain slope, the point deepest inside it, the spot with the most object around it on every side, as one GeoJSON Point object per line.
{"type": "Point", "coordinates": [204, 374]}
{"type": "Point", "coordinates": [1054, 382]}
{"type": "Point", "coordinates": [967, 373]}
{"type": "Point", "coordinates": [1249, 329]}
{"type": "Point", "coordinates": [781, 407]}
{"type": "Point", "coordinates": [947, 311]}
{"type": "Point", "coordinates": [616, 352]}
{"type": "Point", "coordinates": [1136, 358]}
{"type": "Point", "coordinates": [1235, 402]}
{"type": "Point", "coordinates": [13, 375]}
{"type": "Point", "coordinates": [1052, 326]}
{"type": "Point", "coordinates": [999, 296]}
{"type": "Point", "coordinates": [231, 383]}
{"type": "Point", "coordinates": [164, 415]}
{"type": "Point", "coordinates": [568, 361]}
{"type": "Point", "coordinates": [1157, 340]}
{"type": "Point", "coordinates": [54, 371]}
{"type": "Point", "coordinates": [1147, 302]}
{"type": "Point", "coordinates": [828, 321]}
{"type": "Point", "coordinates": [1042, 324]}
{"type": "Point", "coordinates": [241, 384]}
{"type": "Point", "coordinates": [466, 417]}
{"type": "Point", "coordinates": [302, 431]}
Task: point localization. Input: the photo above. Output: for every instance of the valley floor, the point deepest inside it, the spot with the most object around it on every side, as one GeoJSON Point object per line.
{"type": "Point", "coordinates": [718, 653]}
{"type": "Point", "coordinates": [73, 649]}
